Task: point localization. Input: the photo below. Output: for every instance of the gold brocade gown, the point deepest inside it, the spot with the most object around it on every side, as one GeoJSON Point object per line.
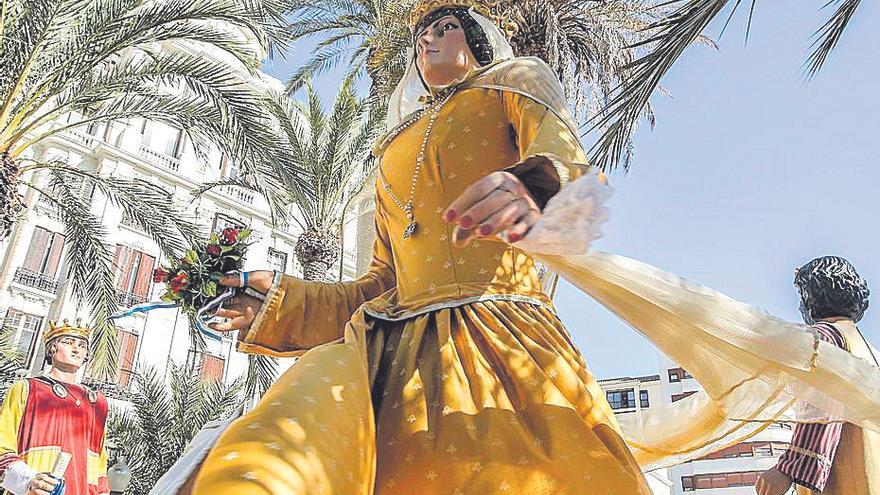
{"type": "Point", "coordinates": [443, 370]}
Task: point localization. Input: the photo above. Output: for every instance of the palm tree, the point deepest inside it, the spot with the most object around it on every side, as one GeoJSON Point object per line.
{"type": "Point", "coordinates": [111, 60]}
{"type": "Point", "coordinates": [587, 42]}
{"type": "Point", "coordinates": [327, 165]}
{"type": "Point", "coordinates": [367, 35]}
{"type": "Point", "coordinates": [330, 158]}
{"type": "Point", "coordinates": [671, 35]}
{"type": "Point", "coordinates": [164, 419]}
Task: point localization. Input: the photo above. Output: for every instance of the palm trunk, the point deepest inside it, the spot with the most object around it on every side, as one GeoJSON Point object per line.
{"type": "Point", "coordinates": [317, 250]}
{"type": "Point", "coordinates": [11, 203]}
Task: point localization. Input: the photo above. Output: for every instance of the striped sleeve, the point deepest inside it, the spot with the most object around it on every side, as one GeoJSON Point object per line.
{"type": "Point", "coordinates": [813, 445]}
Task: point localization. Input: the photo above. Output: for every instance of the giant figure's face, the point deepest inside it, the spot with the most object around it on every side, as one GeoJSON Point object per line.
{"type": "Point", "coordinates": [442, 53]}
{"type": "Point", "coordinates": [70, 353]}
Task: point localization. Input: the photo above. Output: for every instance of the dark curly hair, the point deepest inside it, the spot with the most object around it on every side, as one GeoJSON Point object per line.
{"type": "Point", "coordinates": [476, 38]}
{"type": "Point", "coordinates": [830, 287]}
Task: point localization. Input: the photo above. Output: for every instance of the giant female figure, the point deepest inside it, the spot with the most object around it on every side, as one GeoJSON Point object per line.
{"type": "Point", "coordinates": [455, 375]}
{"type": "Point", "coordinates": [444, 369]}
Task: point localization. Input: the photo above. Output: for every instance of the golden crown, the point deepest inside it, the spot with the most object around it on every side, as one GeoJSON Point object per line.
{"type": "Point", "coordinates": [66, 329]}
{"type": "Point", "coordinates": [424, 7]}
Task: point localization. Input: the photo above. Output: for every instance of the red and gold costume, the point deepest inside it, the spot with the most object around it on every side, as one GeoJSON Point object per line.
{"type": "Point", "coordinates": [42, 417]}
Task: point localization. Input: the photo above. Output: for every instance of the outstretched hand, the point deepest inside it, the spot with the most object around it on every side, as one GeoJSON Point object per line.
{"type": "Point", "coordinates": [242, 309]}
{"type": "Point", "coordinates": [498, 203]}
{"type": "Point", "coordinates": [773, 482]}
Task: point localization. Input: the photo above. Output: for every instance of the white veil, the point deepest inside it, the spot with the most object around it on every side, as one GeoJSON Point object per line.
{"type": "Point", "coordinates": [409, 95]}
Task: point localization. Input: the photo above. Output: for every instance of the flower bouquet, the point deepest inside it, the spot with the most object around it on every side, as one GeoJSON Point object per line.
{"type": "Point", "coordinates": [193, 281]}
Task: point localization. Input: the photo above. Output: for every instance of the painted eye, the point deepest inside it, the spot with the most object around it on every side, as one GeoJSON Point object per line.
{"type": "Point", "coordinates": [450, 26]}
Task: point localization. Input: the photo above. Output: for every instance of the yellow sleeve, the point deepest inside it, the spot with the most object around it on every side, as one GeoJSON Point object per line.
{"type": "Point", "coordinates": [550, 155]}
{"type": "Point", "coordinates": [299, 315]}
{"type": "Point", "coordinates": [103, 481]}
{"type": "Point", "coordinates": [10, 417]}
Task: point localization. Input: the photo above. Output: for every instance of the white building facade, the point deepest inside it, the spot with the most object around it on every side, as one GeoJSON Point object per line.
{"type": "Point", "coordinates": [732, 471]}
{"type": "Point", "coordinates": [33, 284]}
{"type": "Point", "coordinates": [633, 400]}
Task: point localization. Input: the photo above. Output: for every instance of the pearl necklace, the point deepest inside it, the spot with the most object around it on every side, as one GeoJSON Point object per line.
{"type": "Point", "coordinates": [420, 160]}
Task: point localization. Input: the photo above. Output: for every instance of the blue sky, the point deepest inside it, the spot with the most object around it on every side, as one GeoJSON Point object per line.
{"type": "Point", "coordinates": [750, 172]}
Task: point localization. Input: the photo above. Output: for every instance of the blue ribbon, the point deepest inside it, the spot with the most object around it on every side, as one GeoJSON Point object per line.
{"type": "Point", "coordinates": [59, 488]}
{"type": "Point", "coordinates": [200, 326]}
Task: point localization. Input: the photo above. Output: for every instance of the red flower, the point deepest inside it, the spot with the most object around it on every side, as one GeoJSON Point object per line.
{"type": "Point", "coordinates": [213, 249]}
{"type": "Point", "coordinates": [160, 275]}
{"type": "Point", "coordinates": [230, 235]}
{"type": "Point", "coordinates": [179, 282]}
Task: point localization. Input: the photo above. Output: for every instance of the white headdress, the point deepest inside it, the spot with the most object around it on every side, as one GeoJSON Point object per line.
{"type": "Point", "coordinates": [410, 93]}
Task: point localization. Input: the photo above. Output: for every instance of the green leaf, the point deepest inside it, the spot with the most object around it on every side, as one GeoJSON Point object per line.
{"type": "Point", "coordinates": [210, 289]}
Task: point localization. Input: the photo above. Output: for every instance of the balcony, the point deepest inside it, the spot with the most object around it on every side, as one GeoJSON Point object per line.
{"type": "Point", "coordinates": [129, 299]}
{"type": "Point", "coordinates": [160, 159]}
{"type": "Point", "coordinates": [80, 137]}
{"type": "Point", "coordinates": [237, 193]}
{"type": "Point", "coordinates": [36, 280]}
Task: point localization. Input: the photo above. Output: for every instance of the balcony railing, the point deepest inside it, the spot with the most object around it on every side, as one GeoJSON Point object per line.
{"type": "Point", "coordinates": [36, 280]}
{"type": "Point", "coordinates": [129, 299]}
{"type": "Point", "coordinates": [161, 159]}
{"type": "Point", "coordinates": [238, 193]}
{"type": "Point", "coordinates": [80, 137]}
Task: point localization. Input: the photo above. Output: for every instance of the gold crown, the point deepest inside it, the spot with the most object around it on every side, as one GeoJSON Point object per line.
{"type": "Point", "coordinates": [66, 329]}
{"type": "Point", "coordinates": [425, 7]}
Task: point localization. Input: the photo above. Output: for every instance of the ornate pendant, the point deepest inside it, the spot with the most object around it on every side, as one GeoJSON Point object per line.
{"type": "Point", "coordinates": [60, 390]}
{"type": "Point", "coordinates": [410, 230]}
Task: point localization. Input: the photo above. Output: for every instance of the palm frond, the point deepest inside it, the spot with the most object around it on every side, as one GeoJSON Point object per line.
{"type": "Point", "coordinates": [11, 361]}
{"type": "Point", "coordinates": [149, 207]}
{"type": "Point", "coordinates": [364, 34]}
{"type": "Point", "coordinates": [829, 35]}
{"type": "Point", "coordinates": [90, 271]}
{"type": "Point", "coordinates": [320, 63]}
{"type": "Point", "coordinates": [669, 38]}
{"type": "Point", "coordinates": [261, 374]}
{"type": "Point", "coordinates": [164, 419]}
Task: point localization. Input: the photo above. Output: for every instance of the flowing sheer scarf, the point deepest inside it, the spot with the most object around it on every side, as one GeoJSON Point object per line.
{"type": "Point", "coordinates": [755, 369]}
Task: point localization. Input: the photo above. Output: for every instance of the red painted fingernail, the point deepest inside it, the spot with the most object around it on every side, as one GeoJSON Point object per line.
{"type": "Point", "coordinates": [485, 230]}
{"type": "Point", "coordinates": [450, 215]}
{"type": "Point", "coordinates": [466, 221]}
{"type": "Point", "coordinates": [513, 237]}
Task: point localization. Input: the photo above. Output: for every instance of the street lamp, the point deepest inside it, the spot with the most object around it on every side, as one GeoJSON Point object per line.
{"type": "Point", "coordinates": [119, 477]}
